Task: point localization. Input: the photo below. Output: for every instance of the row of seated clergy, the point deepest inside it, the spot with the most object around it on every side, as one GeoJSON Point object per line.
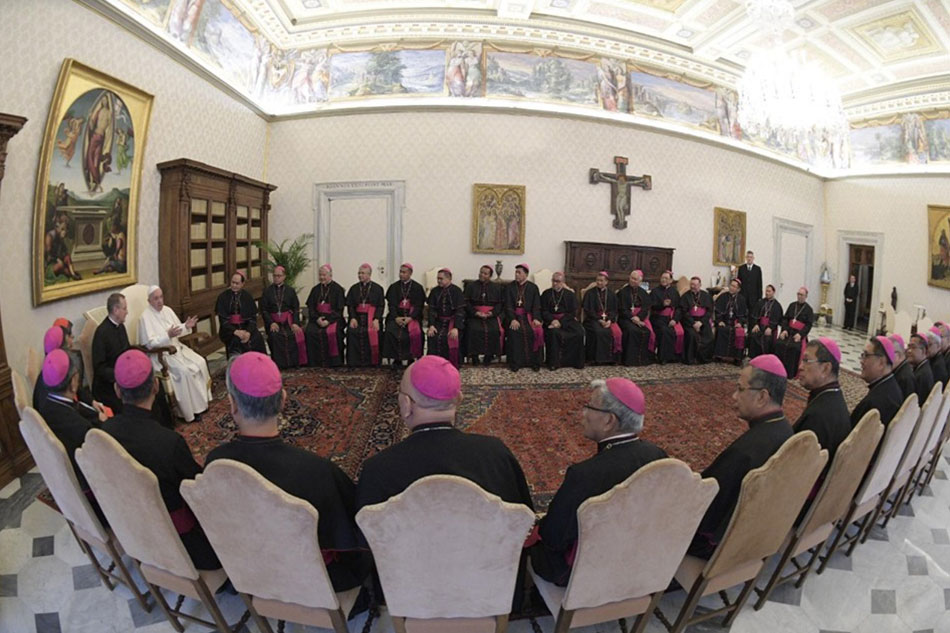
{"type": "Point", "coordinates": [60, 336]}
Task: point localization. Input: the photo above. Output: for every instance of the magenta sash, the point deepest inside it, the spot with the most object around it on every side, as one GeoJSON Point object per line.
{"type": "Point", "coordinates": [798, 326]}
{"type": "Point", "coordinates": [677, 330]}
{"type": "Point", "coordinates": [285, 318]}
{"type": "Point", "coordinates": [618, 338]}
{"type": "Point", "coordinates": [740, 337]}
{"type": "Point", "coordinates": [371, 334]}
{"type": "Point", "coordinates": [183, 520]}
{"type": "Point", "coordinates": [538, 332]}
{"type": "Point", "coordinates": [235, 319]}
{"type": "Point", "coordinates": [558, 316]}
{"type": "Point", "coordinates": [764, 322]}
{"type": "Point", "coordinates": [501, 329]}
{"type": "Point", "coordinates": [325, 308]}
{"type": "Point", "coordinates": [415, 331]}
{"type": "Point", "coordinates": [453, 343]}
{"type": "Point", "coordinates": [697, 313]}
{"type": "Point", "coordinates": [651, 343]}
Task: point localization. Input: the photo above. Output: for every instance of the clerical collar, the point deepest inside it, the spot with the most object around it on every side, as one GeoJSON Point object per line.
{"type": "Point", "coordinates": [114, 322]}
{"type": "Point", "coordinates": [749, 266]}
{"type": "Point", "coordinates": [830, 387]}
{"type": "Point", "coordinates": [433, 426]}
{"type": "Point", "coordinates": [257, 439]}
{"type": "Point", "coordinates": [774, 416]}
{"type": "Point", "coordinates": [921, 363]}
{"type": "Point", "coordinates": [875, 383]}
{"type": "Point", "coordinates": [616, 440]}
{"type": "Point", "coordinates": [60, 399]}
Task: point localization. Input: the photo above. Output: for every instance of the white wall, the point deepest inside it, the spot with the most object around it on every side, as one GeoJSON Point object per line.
{"type": "Point", "coordinates": [441, 154]}
{"type": "Point", "coordinates": [189, 118]}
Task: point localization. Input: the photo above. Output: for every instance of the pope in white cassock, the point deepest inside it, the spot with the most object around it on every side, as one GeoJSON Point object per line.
{"type": "Point", "coordinates": [161, 327]}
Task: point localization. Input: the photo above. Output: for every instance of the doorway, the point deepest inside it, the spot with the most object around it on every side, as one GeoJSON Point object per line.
{"type": "Point", "coordinates": [861, 265]}
{"type": "Point", "coordinates": [793, 260]}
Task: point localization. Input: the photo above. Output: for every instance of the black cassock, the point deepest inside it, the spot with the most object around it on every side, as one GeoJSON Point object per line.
{"type": "Point", "coordinates": [108, 343]}
{"type": "Point", "coordinates": [826, 415]}
{"type": "Point", "coordinates": [565, 344]}
{"type": "Point", "coordinates": [84, 394]}
{"type": "Point", "coordinates": [603, 344]}
{"type": "Point", "coordinates": [696, 307]}
{"type": "Point", "coordinates": [319, 482]}
{"type": "Point", "coordinates": [446, 311]}
{"type": "Point", "coordinates": [798, 319]}
{"type": "Point", "coordinates": [749, 451]}
{"type": "Point", "coordinates": [730, 340]}
{"type": "Point", "coordinates": [404, 299]}
{"type": "Point", "coordinates": [884, 394]}
{"type": "Point", "coordinates": [279, 304]}
{"type": "Point", "coordinates": [766, 315]}
{"type": "Point", "coordinates": [483, 336]}
{"type": "Point", "coordinates": [904, 374]}
{"type": "Point", "coordinates": [923, 381]}
{"type": "Point", "coordinates": [69, 426]}
{"type": "Point", "coordinates": [237, 311]}
{"type": "Point", "coordinates": [616, 459]}
{"type": "Point", "coordinates": [325, 344]}
{"type": "Point", "coordinates": [524, 346]}
{"type": "Point", "coordinates": [665, 302]}
{"type": "Point", "coordinates": [165, 453]}
{"type": "Point", "coordinates": [364, 302]}
{"type": "Point", "coordinates": [751, 284]}
{"type": "Point", "coordinates": [850, 307]}
{"type": "Point", "coordinates": [637, 337]}
{"type": "Point", "coordinates": [939, 367]}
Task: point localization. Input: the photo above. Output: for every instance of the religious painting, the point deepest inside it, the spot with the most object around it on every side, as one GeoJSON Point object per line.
{"type": "Point", "coordinates": [498, 213]}
{"type": "Point", "coordinates": [672, 98]}
{"type": "Point", "coordinates": [875, 144]}
{"type": "Point", "coordinates": [938, 231]}
{"type": "Point", "coordinates": [87, 185]}
{"type": "Point", "coordinates": [387, 73]}
{"type": "Point", "coordinates": [541, 78]}
{"type": "Point", "coordinates": [464, 76]}
{"type": "Point", "coordinates": [728, 237]}
{"type": "Point", "coordinates": [155, 11]}
{"type": "Point", "coordinates": [938, 138]}
{"type": "Point", "coordinates": [219, 35]}
{"type": "Point", "coordinates": [612, 92]}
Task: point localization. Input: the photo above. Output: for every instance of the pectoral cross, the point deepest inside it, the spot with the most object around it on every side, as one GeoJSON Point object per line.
{"type": "Point", "coordinates": [620, 185]}
{"type": "Point", "coordinates": [520, 302]}
{"type": "Point", "coordinates": [603, 316]}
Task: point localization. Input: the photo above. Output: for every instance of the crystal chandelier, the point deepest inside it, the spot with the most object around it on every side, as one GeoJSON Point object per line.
{"type": "Point", "coordinates": [785, 94]}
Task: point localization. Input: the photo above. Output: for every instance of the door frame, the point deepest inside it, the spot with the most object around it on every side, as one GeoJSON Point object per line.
{"type": "Point", "coordinates": [783, 225]}
{"type": "Point", "coordinates": [392, 191]}
{"type": "Point", "coordinates": [860, 238]}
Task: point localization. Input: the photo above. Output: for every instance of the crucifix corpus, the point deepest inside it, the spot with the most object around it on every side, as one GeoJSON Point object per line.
{"type": "Point", "coordinates": [620, 184]}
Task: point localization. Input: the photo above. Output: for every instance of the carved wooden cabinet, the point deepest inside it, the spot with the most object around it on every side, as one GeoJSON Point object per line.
{"type": "Point", "coordinates": [15, 458]}
{"type": "Point", "coordinates": [583, 260]}
{"type": "Point", "coordinates": [210, 220]}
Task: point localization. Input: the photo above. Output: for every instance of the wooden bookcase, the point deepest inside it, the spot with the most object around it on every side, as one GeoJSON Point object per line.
{"type": "Point", "coordinates": [210, 220]}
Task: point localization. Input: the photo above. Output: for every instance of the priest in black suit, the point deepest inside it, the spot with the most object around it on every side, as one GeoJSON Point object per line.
{"type": "Point", "coordinates": [613, 419]}
{"type": "Point", "coordinates": [563, 335]}
{"type": "Point", "coordinates": [850, 302]}
{"type": "Point", "coordinates": [446, 318]}
{"type": "Point", "coordinates": [903, 370]}
{"type": "Point", "coordinates": [877, 370]}
{"type": "Point", "coordinates": [237, 319]}
{"type": "Point", "coordinates": [405, 298]}
{"type": "Point", "coordinates": [750, 276]}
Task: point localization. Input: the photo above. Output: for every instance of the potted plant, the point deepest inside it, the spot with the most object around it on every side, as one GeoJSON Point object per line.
{"type": "Point", "coordinates": [293, 257]}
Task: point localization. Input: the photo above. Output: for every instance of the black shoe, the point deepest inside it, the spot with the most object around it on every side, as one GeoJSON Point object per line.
{"type": "Point", "coordinates": [475, 361]}
{"type": "Point", "coordinates": [536, 368]}
{"type": "Point", "coordinates": [488, 359]}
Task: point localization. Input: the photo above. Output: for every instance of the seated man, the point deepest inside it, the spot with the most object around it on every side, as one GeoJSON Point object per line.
{"type": "Point", "coordinates": [764, 324]}
{"type": "Point", "coordinates": [602, 335]}
{"type": "Point", "coordinates": [884, 394]}
{"type": "Point", "coordinates": [364, 306]}
{"type": "Point", "coordinates": [256, 396]}
{"type": "Point", "coordinates": [429, 393]}
{"type": "Point", "coordinates": [446, 318]}
{"type": "Point", "coordinates": [945, 337]}
{"type": "Point", "coordinates": [613, 419]}
{"type": "Point", "coordinates": [935, 355]}
{"type": "Point", "coordinates": [60, 336]}
{"type": "Point", "coordinates": [280, 309]}
{"type": "Point", "coordinates": [524, 332]}
{"type": "Point", "coordinates": [903, 370]}
{"type": "Point", "coordinates": [796, 324]}
{"type": "Point", "coordinates": [161, 450]}
{"type": "Point", "coordinates": [758, 397]}
{"type": "Point", "coordinates": [695, 313]}
{"type": "Point", "coordinates": [161, 327]}
{"type": "Point", "coordinates": [326, 326]}
{"type": "Point", "coordinates": [405, 298]}
{"type": "Point", "coordinates": [669, 333]}
{"type": "Point", "coordinates": [826, 413]}
{"type": "Point", "coordinates": [563, 335]}
{"type": "Point", "coordinates": [484, 335]}
{"type": "Point", "coordinates": [918, 353]}
{"type": "Point", "coordinates": [633, 317]}
{"type": "Point", "coordinates": [237, 319]}
{"type": "Point", "coordinates": [731, 317]}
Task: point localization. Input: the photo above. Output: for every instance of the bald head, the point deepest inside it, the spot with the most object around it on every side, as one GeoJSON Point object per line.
{"type": "Point", "coordinates": [415, 407]}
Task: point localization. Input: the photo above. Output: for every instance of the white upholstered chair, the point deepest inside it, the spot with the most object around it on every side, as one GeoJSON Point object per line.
{"type": "Point", "coordinates": [615, 576]}
{"type": "Point", "coordinates": [432, 278]}
{"type": "Point", "coordinates": [93, 318]}
{"type": "Point", "coordinates": [542, 279]}
{"type": "Point", "coordinates": [447, 554]}
{"type": "Point", "coordinates": [902, 325]}
{"type": "Point", "coordinates": [34, 365]}
{"type": "Point", "coordinates": [282, 576]}
{"type": "Point", "coordinates": [22, 392]}
{"type": "Point", "coordinates": [938, 440]}
{"type": "Point", "coordinates": [130, 498]}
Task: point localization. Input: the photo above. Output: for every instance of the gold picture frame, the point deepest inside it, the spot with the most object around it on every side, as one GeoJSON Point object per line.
{"type": "Point", "coordinates": [498, 219]}
{"type": "Point", "coordinates": [87, 185]}
{"type": "Point", "coordinates": [729, 233]}
{"type": "Point", "coordinates": [938, 246]}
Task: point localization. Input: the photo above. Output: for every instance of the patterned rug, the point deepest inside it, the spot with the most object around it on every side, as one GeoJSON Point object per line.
{"type": "Point", "coordinates": [350, 414]}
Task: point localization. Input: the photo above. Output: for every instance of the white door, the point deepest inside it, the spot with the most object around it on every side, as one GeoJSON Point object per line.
{"type": "Point", "coordinates": [792, 273]}
{"type": "Point", "coordinates": [357, 234]}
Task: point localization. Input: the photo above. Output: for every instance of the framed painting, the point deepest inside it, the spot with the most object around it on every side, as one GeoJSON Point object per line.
{"type": "Point", "coordinates": [87, 185]}
{"type": "Point", "coordinates": [938, 246]}
{"type": "Point", "coordinates": [728, 237]}
{"type": "Point", "coordinates": [498, 214]}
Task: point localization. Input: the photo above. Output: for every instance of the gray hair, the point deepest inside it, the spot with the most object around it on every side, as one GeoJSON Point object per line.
{"type": "Point", "coordinates": [254, 409]}
{"type": "Point", "coordinates": [628, 420]}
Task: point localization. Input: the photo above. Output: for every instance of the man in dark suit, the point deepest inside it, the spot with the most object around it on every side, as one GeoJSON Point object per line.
{"type": "Point", "coordinates": [613, 419]}
{"type": "Point", "coordinates": [850, 302]}
{"type": "Point", "coordinates": [750, 275]}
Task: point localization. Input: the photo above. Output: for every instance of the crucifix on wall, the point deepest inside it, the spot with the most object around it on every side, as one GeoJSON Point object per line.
{"type": "Point", "coordinates": [620, 184]}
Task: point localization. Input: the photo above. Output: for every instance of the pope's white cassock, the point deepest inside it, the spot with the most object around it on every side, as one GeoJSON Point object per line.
{"type": "Point", "coordinates": [188, 370]}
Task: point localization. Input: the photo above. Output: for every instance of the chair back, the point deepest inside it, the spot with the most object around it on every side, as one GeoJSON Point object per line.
{"type": "Point", "coordinates": [902, 325]}
{"type": "Point", "coordinates": [53, 461]}
{"type": "Point", "coordinates": [445, 548]}
{"type": "Point", "coordinates": [34, 365]}
{"type": "Point", "coordinates": [940, 425]}
{"type": "Point", "coordinates": [22, 393]}
{"type": "Point", "coordinates": [93, 318]}
{"type": "Point", "coordinates": [542, 278]}
{"type": "Point", "coordinates": [889, 454]}
{"type": "Point", "coordinates": [922, 430]}
{"type": "Point", "coordinates": [129, 496]}
{"type": "Point", "coordinates": [431, 278]}
{"type": "Point", "coordinates": [223, 497]}
{"type": "Point", "coordinates": [843, 478]}
{"type": "Point", "coordinates": [769, 501]}
{"type": "Point", "coordinates": [136, 299]}
{"type": "Point", "coordinates": [632, 538]}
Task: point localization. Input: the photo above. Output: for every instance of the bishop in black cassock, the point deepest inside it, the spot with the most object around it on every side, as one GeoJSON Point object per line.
{"type": "Point", "coordinates": [405, 298]}
{"type": "Point", "coordinates": [326, 326]}
{"type": "Point", "coordinates": [731, 322]}
{"type": "Point", "coordinates": [695, 314]}
{"type": "Point", "coordinates": [826, 414]}
{"type": "Point", "coordinates": [484, 334]}
{"type": "Point", "coordinates": [364, 307]}
{"type": "Point", "coordinates": [669, 333]}
{"type": "Point", "coordinates": [446, 318]}
{"type": "Point", "coordinates": [750, 276]}
{"type": "Point", "coordinates": [237, 319]}
{"type": "Point", "coordinates": [937, 363]}
{"type": "Point", "coordinates": [563, 335]}
{"type": "Point", "coordinates": [903, 370]}
{"type": "Point", "coordinates": [604, 340]}
{"type": "Point", "coordinates": [796, 324]}
{"type": "Point", "coordinates": [280, 309]}
{"type": "Point", "coordinates": [60, 337]}
{"type": "Point", "coordinates": [884, 394]}
{"type": "Point", "coordinates": [524, 333]}
{"type": "Point", "coordinates": [764, 324]}
{"type": "Point", "coordinates": [633, 317]}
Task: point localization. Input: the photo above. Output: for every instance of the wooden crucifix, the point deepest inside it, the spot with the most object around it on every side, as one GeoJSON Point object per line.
{"type": "Point", "coordinates": [620, 184]}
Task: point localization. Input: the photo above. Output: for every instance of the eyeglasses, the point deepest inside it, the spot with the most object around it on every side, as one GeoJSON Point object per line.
{"type": "Point", "coordinates": [749, 388]}
{"type": "Point", "coordinates": [866, 355]}
{"type": "Point", "coordinates": [593, 408]}
{"type": "Point", "coordinates": [808, 361]}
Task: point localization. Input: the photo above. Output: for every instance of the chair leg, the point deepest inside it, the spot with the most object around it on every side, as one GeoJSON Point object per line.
{"type": "Point", "coordinates": [776, 575]}
{"type": "Point", "coordinates": [399, 624]}
{"type": "Point", "coordinates": [261, 623]}
{"type": "Point", "coordinates": [207, 598]}
{"type": "Point", "coordinates": [501, 623]}
{"type": "Point", "coordinates": [682, 620]}
{"type": "Point", "coordinates": [87, 550]}
{"type": "Point", "coordinates": [563, 623]}
{"type": "Point", "coordinates": [640, 624]}
{"type": "Point", "coordinates": [895, 506]}
{"type": "Point", "coordinates": [160, 599]}
{"type": "Point", "coordinates": [842, 530]}
{"type": "Point", "coordinates": [127, 577]}
{"type": "Point", "coordinates": [933, 466]}
{"type": "Point", "coordinates": [865, 530]}
{"type": "Point", "coordinates": [338, 620]}
{"type": "Point", "coordinates": [811, 563]}
{"type": "Point", "coordinates": [739, 603]}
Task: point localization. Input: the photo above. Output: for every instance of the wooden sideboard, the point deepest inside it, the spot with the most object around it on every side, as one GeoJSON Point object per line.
{"type": "Point", "coordinates": [583, 260]}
